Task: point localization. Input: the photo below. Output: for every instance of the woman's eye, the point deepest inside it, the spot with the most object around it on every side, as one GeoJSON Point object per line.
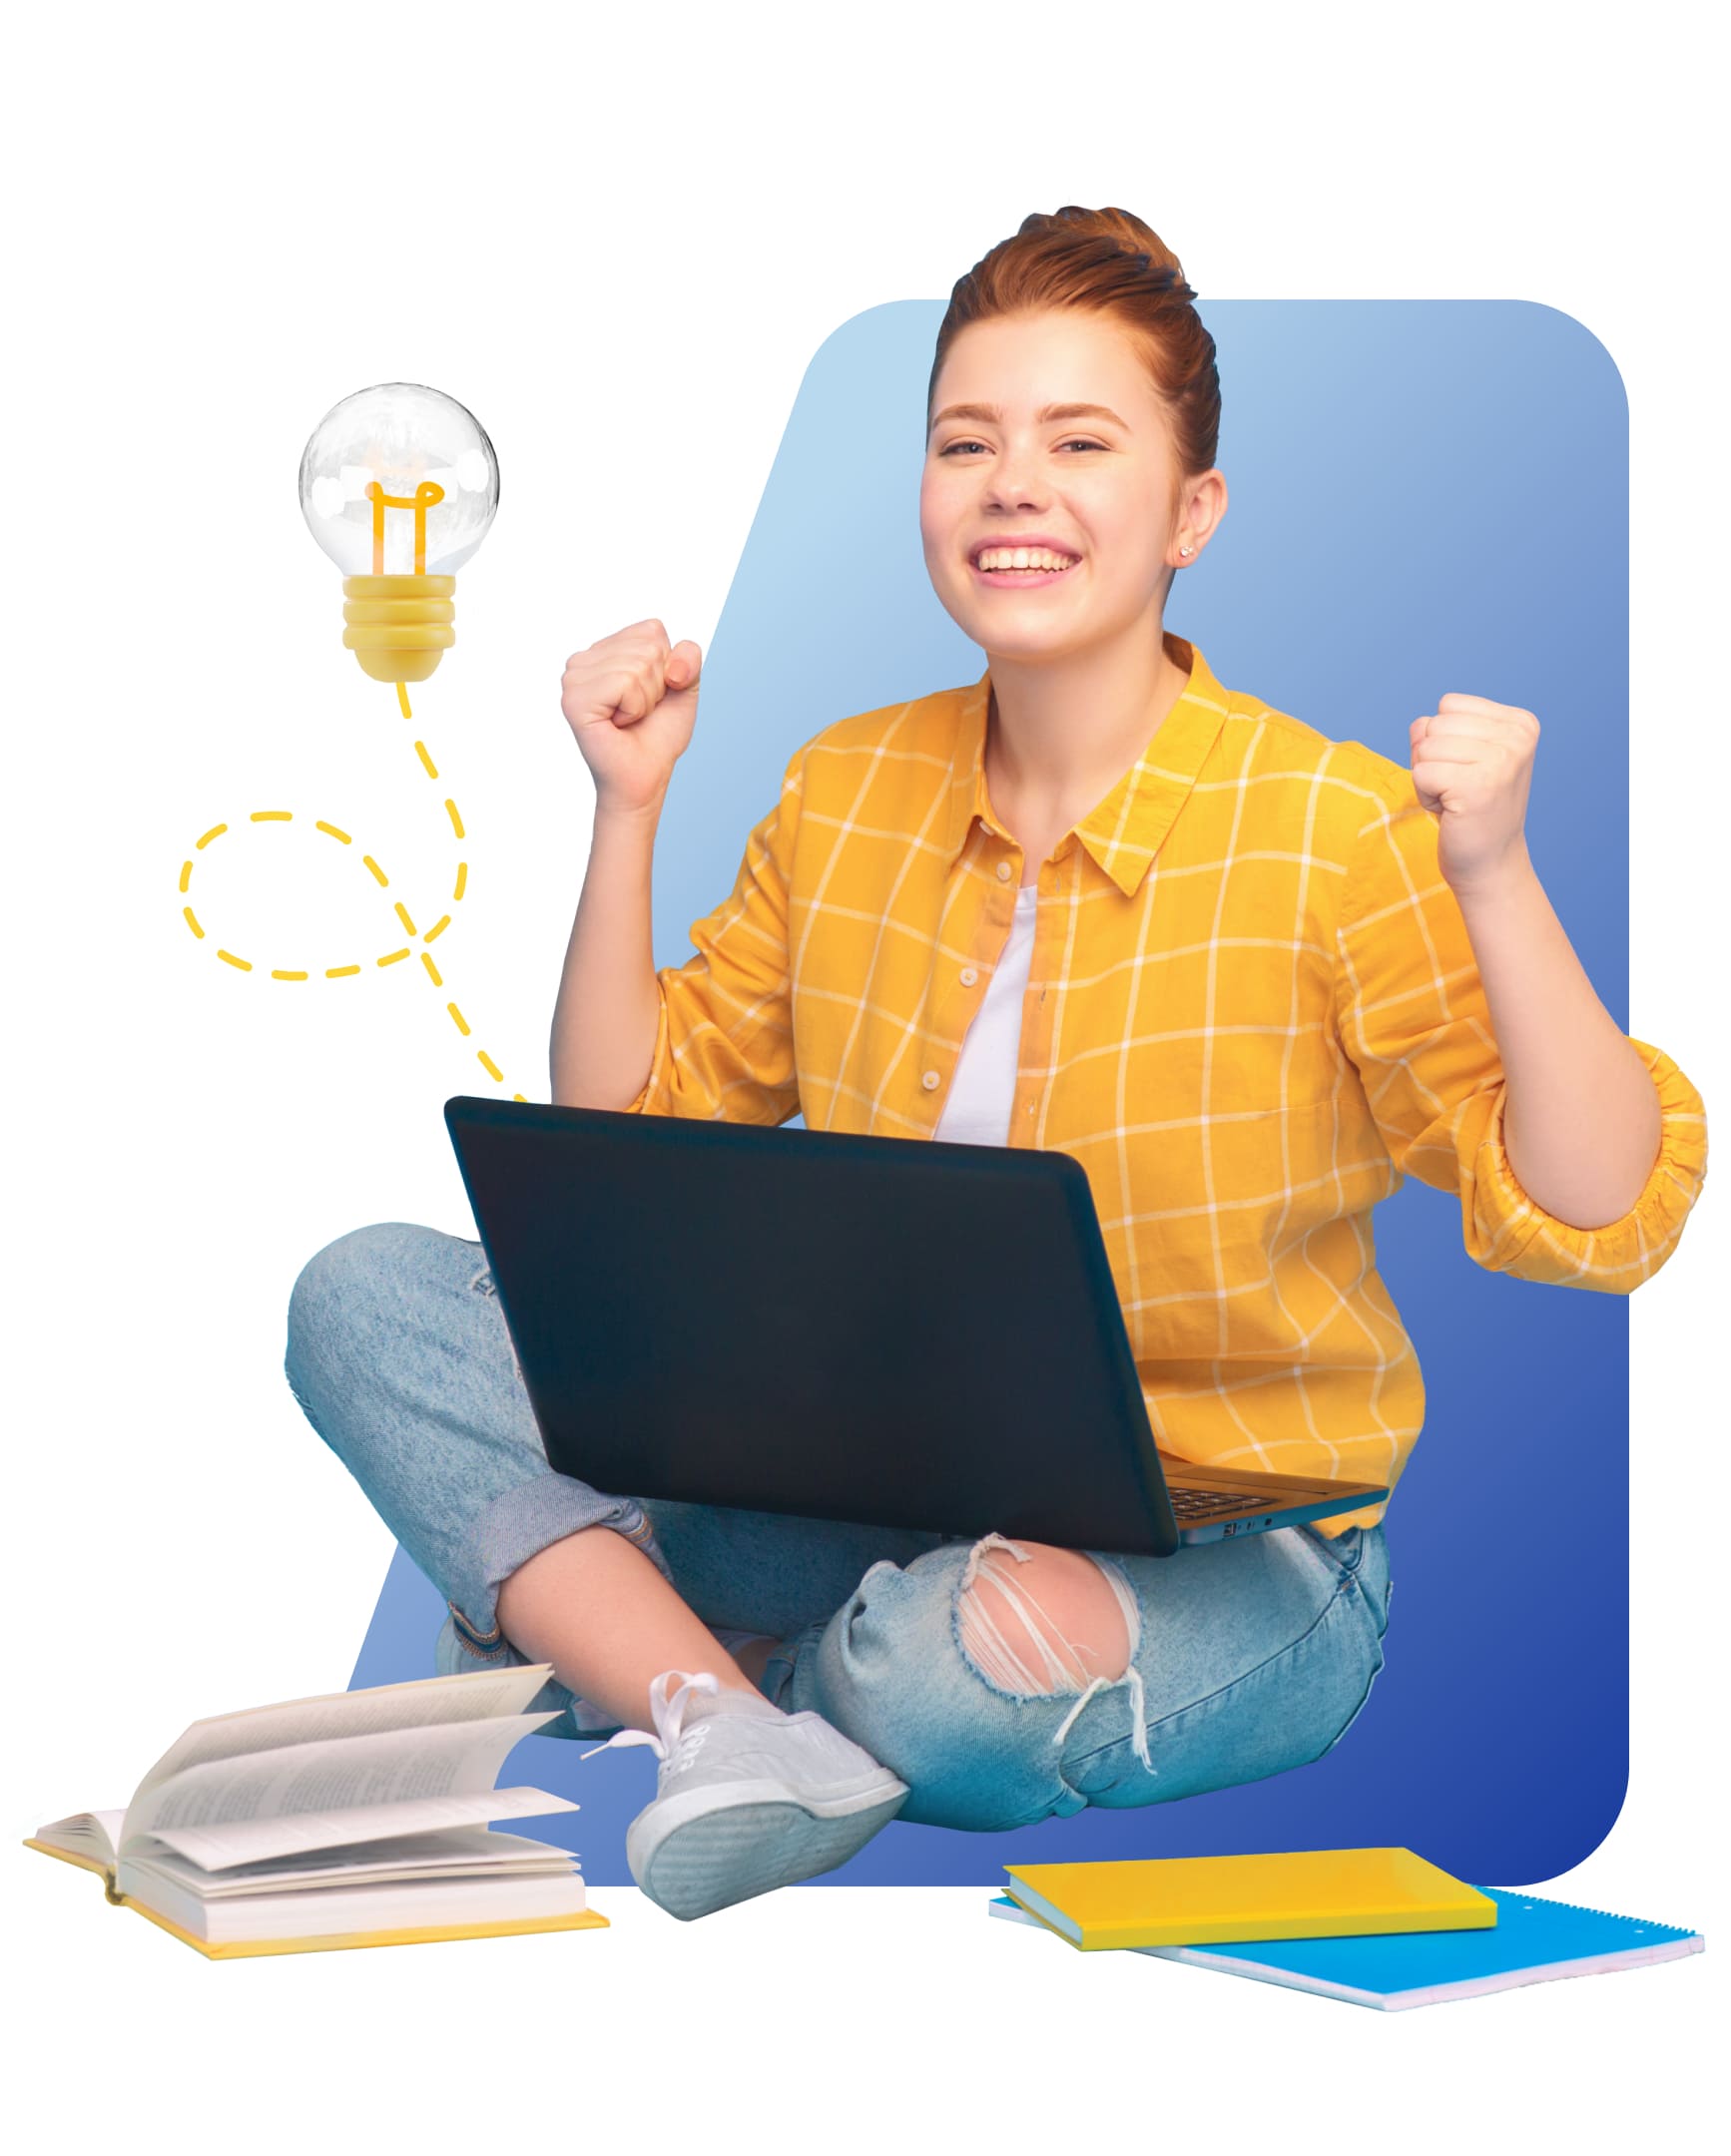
{"type": "Point", "coordinates": [1072, 444]}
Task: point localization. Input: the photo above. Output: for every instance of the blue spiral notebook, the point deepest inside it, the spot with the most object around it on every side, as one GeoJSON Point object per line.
{"type": "Point", "coordinates": [1533, 1941]}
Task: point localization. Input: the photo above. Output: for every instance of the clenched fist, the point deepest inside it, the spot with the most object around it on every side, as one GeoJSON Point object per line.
{"type": "Point", "coordinates": [631, 701]}
{"type": "Point", "coordinates": [1471, 767]}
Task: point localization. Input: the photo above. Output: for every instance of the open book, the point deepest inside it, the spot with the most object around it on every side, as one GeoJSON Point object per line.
{"type": "Point", "coordinates": [356, 1820]}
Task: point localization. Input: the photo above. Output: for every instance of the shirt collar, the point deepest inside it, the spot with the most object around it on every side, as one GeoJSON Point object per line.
{"type": "Point", "coordinates": [1125, 831]}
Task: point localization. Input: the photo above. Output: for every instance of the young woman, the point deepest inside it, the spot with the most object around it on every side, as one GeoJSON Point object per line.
{"type": "Point", "coordinates": [1249, 976]}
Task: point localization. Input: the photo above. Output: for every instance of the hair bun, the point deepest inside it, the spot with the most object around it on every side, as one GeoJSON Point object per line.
{"type": "Point", "coordinates": [1124, 229]}
{"type": "Point", "coordinates": [1105, 263]}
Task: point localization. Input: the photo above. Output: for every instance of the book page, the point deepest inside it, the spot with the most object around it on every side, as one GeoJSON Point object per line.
{"type": "Point", "coordinates": [451, 1852]}
{"type": "Point", "coordinates": [390, 1766]}
{"type": "Point", "coordinates": [333, 1910]}
{"type": "Point", "coordinates": [257, 1841]}
{"type": "Point", "coordinates": [87, 1834]}
{"type": "Point", "coordinates": [424, 1703]}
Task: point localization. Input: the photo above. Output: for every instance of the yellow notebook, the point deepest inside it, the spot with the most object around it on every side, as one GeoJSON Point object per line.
{"type": "Point", "coordinates": [356, 1819]}
{"type": "Point", "coordinates": [1198, 1900]}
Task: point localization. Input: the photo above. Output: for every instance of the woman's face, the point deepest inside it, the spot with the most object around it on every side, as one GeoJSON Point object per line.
{"type": "Point", "coordinates": [1097, 486]}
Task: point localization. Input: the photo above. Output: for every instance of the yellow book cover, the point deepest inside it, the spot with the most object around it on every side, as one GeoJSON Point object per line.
{"type": "Point", "coordinates": [1288, 1895]}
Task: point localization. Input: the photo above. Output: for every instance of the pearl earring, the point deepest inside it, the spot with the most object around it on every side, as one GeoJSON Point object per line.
{"type": "Point", "coordinates": [1184, 550]}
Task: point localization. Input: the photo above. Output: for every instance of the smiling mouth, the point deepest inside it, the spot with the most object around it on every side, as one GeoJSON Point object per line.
{"type": "Point", "coordinates": [1009, 578]}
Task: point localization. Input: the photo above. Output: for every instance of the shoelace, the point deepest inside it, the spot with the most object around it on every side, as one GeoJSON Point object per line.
{"type": "Point", "coordinates": [667, 1713]}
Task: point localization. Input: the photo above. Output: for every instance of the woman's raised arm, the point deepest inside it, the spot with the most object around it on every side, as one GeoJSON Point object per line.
{"type": "Point", "coordinates": [1413, 1016]}
{"type": "Point", "coordinates": [631, 701]}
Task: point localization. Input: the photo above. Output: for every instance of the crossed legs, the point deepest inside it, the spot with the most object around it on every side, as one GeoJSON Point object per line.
{"type": "Point", "coordinates": [1002, 1681]}
{"type": "Point", "coordinates": [1036, 1618]}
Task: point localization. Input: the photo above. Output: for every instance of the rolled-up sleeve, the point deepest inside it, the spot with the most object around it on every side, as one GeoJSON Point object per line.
{"type": "Point", "coordinates": [723, 1039]}
{"type": "Point", "coordinates": [1413, 1016]}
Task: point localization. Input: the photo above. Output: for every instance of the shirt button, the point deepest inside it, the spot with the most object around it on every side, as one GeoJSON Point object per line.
{"type": "Point", "coordinates": [929, 1080]}
{"type": "Point", "coordinates": [1004, 872]}
{"type": "Point", "coordinates": [968, 976]}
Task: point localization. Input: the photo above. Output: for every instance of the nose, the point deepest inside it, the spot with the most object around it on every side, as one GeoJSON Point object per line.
{"type": "Point", "coordinates": [1013, 480]}
{"type": "Point", "coordinates": [1014, 488]}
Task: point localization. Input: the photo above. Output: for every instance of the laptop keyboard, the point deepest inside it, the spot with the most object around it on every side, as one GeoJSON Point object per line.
{"type": "Point", "coordinates": [1200, 1504]}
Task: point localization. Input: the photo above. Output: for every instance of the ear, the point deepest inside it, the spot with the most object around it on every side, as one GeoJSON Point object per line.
{"type": "Point", "coordinates": [1202, 504]}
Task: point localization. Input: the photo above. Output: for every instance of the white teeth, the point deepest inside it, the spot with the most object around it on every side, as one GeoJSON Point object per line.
{"type": "Point", "coordinates": [1023, 558]}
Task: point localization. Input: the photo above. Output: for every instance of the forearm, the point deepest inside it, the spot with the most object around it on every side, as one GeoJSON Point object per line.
{"type": "Point", "coordinates": [606, 1013]}
{"type": "Point", "coordinates": [1581, 1118]}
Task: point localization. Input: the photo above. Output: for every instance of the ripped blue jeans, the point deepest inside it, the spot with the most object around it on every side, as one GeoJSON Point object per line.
{"type": "Point", "coordinates": [1246, 1656]}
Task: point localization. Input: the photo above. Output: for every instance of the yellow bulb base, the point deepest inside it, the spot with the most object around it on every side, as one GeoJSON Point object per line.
{"type": "Point", "coordinates": [399, 626]}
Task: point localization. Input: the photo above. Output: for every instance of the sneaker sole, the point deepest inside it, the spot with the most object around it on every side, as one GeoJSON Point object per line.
{"type": "Point", "coordinates": [727, 1852]}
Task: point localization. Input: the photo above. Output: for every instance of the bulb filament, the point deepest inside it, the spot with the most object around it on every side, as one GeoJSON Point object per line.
{"type": "Point", "coordinates": [420, 501]}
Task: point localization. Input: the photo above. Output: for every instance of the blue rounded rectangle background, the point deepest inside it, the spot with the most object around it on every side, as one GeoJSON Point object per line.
{"type": "Point", "coordinates": [1424, 497]}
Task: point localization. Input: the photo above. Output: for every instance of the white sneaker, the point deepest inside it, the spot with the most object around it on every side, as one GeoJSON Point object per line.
{"type": "Point", "coordinates": [746, 1798]}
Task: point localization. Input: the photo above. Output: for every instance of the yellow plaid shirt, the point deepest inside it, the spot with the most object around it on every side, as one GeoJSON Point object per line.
{"type": "Point", "coordinates": [1252, 1010]}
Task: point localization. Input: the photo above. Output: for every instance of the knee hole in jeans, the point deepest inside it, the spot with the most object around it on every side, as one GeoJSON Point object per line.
{"type": "Point", "coordinates": [1018, 1643]}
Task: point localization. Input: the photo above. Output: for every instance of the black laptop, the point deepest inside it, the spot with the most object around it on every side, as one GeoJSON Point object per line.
{"type": "Point", "coordinates": [881, 1330]}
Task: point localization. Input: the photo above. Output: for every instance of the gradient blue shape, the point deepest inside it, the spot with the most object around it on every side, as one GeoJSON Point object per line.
{"type": "Point", "coordinates": [1425, 496]}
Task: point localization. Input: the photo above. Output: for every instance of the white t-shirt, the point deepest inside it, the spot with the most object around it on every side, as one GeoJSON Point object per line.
{"type": "Point", "coordinates": [982, 1092]}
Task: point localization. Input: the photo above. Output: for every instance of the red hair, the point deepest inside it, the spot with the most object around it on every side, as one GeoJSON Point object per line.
{"type": "Point", "coordinates": [1105, 262]}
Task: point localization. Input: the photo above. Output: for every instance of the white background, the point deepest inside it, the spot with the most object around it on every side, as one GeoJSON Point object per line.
{"type": "Point", "coordinates": [620, 239]}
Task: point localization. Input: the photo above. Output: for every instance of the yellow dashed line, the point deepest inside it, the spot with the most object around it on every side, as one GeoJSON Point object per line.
{"type": "Point", "coordinates": [395, 957]}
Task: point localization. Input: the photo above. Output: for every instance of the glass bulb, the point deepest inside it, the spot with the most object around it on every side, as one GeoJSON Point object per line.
{"type": "Point", "coordinates": [399, 486]}
{"type": "Point", "coordinates": [399, 436]}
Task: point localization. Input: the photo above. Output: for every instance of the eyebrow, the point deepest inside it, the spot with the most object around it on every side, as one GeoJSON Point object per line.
{"type": "Point", "coordinates": [993, 415]}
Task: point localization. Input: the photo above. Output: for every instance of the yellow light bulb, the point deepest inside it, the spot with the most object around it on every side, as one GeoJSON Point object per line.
{"type": "Point", "coordinates": [399, 485]}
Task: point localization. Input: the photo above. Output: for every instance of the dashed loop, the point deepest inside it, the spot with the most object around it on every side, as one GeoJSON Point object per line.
{"type": "Point", "coordinates": [385, 958]}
